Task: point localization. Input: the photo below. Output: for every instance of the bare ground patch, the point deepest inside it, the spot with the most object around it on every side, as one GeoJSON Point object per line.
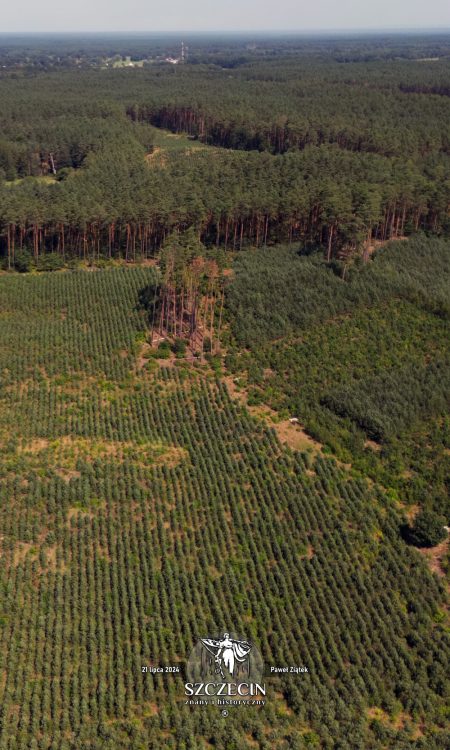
{"type": "Point", "coordinates": [142, 359]}
{"type": "Point", "coordinates": [62, 454]}
{"type": "Point", "coordinates": [157, 157]}
{"type": "Point", "coordinates": [24, 550]}
{"type": "Point", "coordinates": [68, 474]}
{"type": "Point", "coordinates": [410, 511]}
{"type": "Point", "coordinates": [75, 512]}
{"type": "Point", "coordinates": [282, 703]}
{"type": "Point", "coordinates": [396, 722]}
{"type": "Point", "coordinates": [291, 434]}
{"type": "Point", "coordinates": [294, 436]}
{"type": "Point", "coordinates": [152, 709]}
{"type": "Point", "coordinates": [172, 457]}
{"type": "Point", "coordinates": [376, 447]}
{"type": "Point", "coordinates": [52, 560]}
{"type": "Point", "coordinates": [169, 362]}
{"type": "Point", "coordinates": [147, 354]}
{"type": "Point", "coordinates": [435, 556]}
{"type": "Point", "coordinates": [34, 446]}
{"type": "Point", "coordinates": [21, 551]}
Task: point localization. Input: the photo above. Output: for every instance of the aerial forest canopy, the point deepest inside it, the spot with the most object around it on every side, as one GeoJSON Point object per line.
{"type": "Point", "coordinates": [364, 362]}
{"type": "Point", "coordinates": [238, 421]}
{"type": "Point", "coordinates": [301, 145]}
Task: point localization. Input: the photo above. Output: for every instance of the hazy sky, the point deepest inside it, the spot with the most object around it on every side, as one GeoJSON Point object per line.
{"type": "Point", "coordinates": [223, 15]}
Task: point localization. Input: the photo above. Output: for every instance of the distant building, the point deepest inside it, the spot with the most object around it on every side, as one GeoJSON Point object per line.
{"type": "Point", "coordinates": [182, 58]}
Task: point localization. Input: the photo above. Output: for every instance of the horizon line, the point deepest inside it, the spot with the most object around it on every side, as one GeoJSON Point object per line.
{"type": "Point", "coordinates": [269, 32]}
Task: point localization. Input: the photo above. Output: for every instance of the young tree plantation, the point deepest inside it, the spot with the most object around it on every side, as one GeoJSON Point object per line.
{"type": "Point", "coordinates": [224, 381]}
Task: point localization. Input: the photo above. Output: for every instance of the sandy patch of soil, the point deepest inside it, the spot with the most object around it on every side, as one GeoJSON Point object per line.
{"type": "Point", "coordinates": [142, 359]}
{"type": "Point", "coordinates": [172, 457]}
{"type": "Point", "coordinates": [294, 436]}
{"type": "Point", "coordinates": [285, 709]}
{"type": "Point", "coordinates": [157, 157]}
{"type": "Point", "coordinates": [21, 551]}
{"type": "Point", "coordinates": [410, 511]}
{"type": "Point", "coordinates": [167, 362]}
{"type": "Point", "coordinates": [103, 553]}
{"type": "Point", "coordinates": [288, 433]}
{"type": "Point", "coordinates": [152, 709]}
{"type": "Point", "coordinates": [146, 349]}
{"type": "Point", "coordinates": [376, 447]}
{"type": "Point", "coordinates": [435, 556]}
{"type": "Point", "coordinates": [233, 389]}
{"type": "Point", "coordinates": [396, 722]}
{"type": "Point", "coordinates": [35, 446]}
{"type": "Point", "coordinates": [75, 512]}
{"type": "Point", "coordinates": [52, 561]}
{"type": "Point", "coordinates": [63, 453]}
{"type": "Point", "coordinates": [67, 474]}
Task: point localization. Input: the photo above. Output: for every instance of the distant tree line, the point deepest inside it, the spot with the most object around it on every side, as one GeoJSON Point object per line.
{"type": "Point", "coordinates": [117, 204]}
{"type": "Point", "coordinates": [304, 149]}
